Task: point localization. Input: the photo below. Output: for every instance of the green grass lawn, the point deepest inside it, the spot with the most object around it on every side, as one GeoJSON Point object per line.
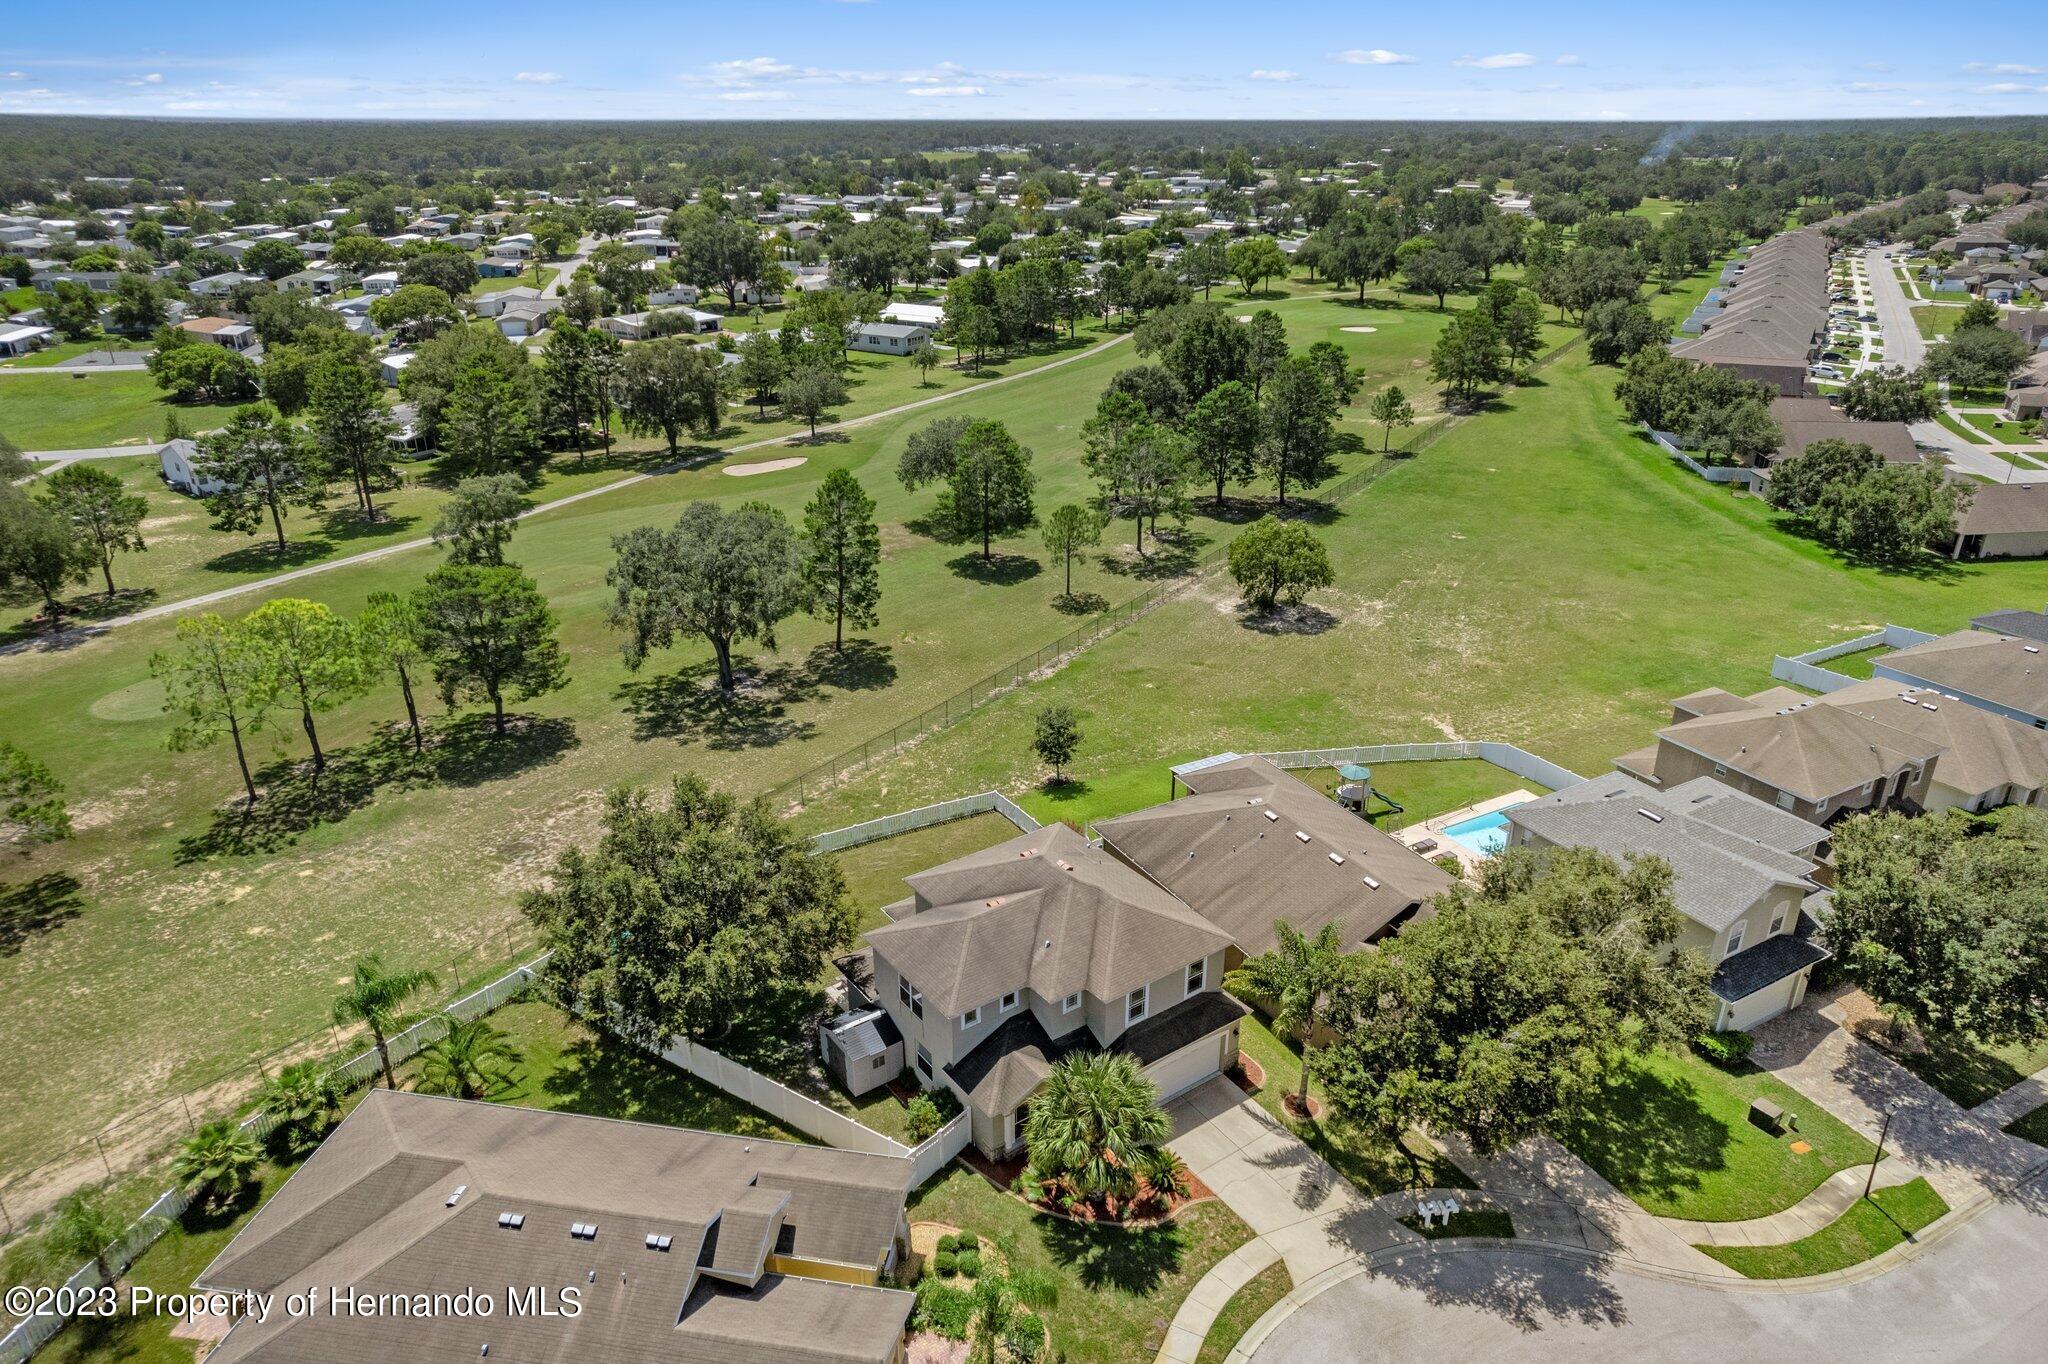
{"type": "Point", "coordinates": [1936, 321]}
{"type": "Point", "coordinates": [1959, 427]}
{"type": "Point", "coordinates": [1359, 1156]}
{"type": "Point", "coordinates": [1969, 1071]}
{"type": "Point", "coordinates": [2032, 1126]}
{"type": "Point", "coordinates": [1673, 1132]}
{"type": "Point", "coordinates": [1245, 1307]}
{"type": "Point", "coordinates": [71, 350]}
{"type": "Point", "coordinates": [567, 1066]}
{"type": "Point", "coordinates": [2003, 431]}
{"type": "Point", "coordinates": [1870, 1227]}
{"type": "Point", "coordinates": [874, 872]}
{"type": "Point", "coordinates": [82, 411]}
{"type": "Point", "coordinates": [1118, 1288]}
{"type": "Point", "coordinates": [1465, 1222]}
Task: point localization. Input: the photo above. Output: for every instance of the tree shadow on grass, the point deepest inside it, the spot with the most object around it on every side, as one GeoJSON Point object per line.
{"type": "Point", "coordinates": [264, 557]}
{"type": "Point", "coordinates": [606, 1078]}
{"type": "Point", "coordinates": [340, 526]}
{"type": "Point", "coordinates": [861, 665]}
{"type": "Point", "coordinates": [1648, 1134]}
{"type": "Point", "coordinates": [1170, 554]}
{"type": "Point", "coordinates": [1132, 1260]}
{"type": "Point", "coordinates": [31, 908]}
{"type": "Point", "coordinates": [1299, 618]}
{"type": "Point", "coordinates": [79, 614]}
{"type": "Point", "coordinates": [464, 751]}
{"type": "Point", "coordinates": [1374, 303]}
{"type": "Point", "coordinates": [687, 704]}
{"type": "Point", "coordinates": [999, 570]}
{"type": "Point", "coordinates": [1080, 603]}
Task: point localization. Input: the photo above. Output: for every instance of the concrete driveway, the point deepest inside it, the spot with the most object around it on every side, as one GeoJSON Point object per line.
{"type": "Point", "coordinates": [1290, 1197]}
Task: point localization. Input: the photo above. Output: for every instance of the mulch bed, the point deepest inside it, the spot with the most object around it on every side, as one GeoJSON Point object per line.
{"type": "Point", "coordinates": [1293, 1108]}
{"type": "Point", "coordinates": [1248, 1075]}
{"type": "Point", "coordinates": [1003, 1174]}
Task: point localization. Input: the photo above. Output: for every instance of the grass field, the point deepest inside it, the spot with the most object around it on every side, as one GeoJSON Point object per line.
{"type": "Point", "coordinates": [2003, 431]}
{"type": "Point", "coordinates": [1936, 321]}
{"type": "Point", "coordinates": [1870, 1227]}
{"type": "Point", "coordinates": [82, 411]}
{"type": "Point", "coordinates": [1672, 1132]}
{"type": "Point", "coordinates": [71, 350]}
{"type": "Point", "coordinates": [2032, 1126]}
{"type": "Point", "coordinates": [1969, 1071]}
{"type": "Point", "coordinates": [424, 862]}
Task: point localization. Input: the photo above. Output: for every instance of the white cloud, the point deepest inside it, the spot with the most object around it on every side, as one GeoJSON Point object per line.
{"type": "Point", "coordinates": [538, 77]}
{"type": "Point", "coordinates": [1877, 66]}
{"type": "Point", "coordinates": [2012, 88]}
{"type": "Point", "coordinates": [753, 66]}
{"type": "Point", "coordinates": [13, 75]}
{"type": "Point", "coordinates": [752, 94]}
{"type": "Point", "coordinates": [2004, 68]}
{"type": "Point", "coordinates": [1373, 56]}
{"type": "Point", "coordinates": [1875, 87]}
{"type": "Point", "coordinates": [1264, 75]}
{"type": "Point", "coordinates": [153, 78]}
{"type": "Point", "coordinates": [945, 91]}
{"type": "Point", "coordinates": [1499, 61]}
{"type": "Point", "coordinates": [1569, 59]}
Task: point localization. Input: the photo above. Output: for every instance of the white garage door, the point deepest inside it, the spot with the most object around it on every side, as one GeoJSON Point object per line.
{"type": "Point", "coordinates": [1188, 1067]}
{"type": "Point", "coordinates": [1766, 1003]}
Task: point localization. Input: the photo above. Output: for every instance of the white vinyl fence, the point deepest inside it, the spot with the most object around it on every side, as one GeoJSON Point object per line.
{"type": "Point", "coordinates": [924, 817]}
{"type": "Point", "coordinates": [1519, 761]}
{"type": "Point", "coordinates": [1803, 670]}
{"type": "Point", "coordinates": [1712, 473]}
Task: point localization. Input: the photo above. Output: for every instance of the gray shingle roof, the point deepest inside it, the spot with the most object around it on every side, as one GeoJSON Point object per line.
{"type": "Point", "coordinates": [1720, 874]}
{"type": "Point", "coordinates": [1770, 961]}
{"type": "Point", "coordinates": [2029, 625]}
{"type": "Point", "coordinates": [1044, 912]}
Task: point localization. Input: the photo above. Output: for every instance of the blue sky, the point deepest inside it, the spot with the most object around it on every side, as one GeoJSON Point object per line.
{"type": "Point", "coordinates": [1043, 59]}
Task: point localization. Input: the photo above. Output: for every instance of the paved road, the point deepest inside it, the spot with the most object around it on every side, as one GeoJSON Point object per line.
{"type": "Point", "coordinates": [1903, 344]}
{"type": "Point", "coordinates": [565, 268]}
{"type": "Point", "coordinates": [1978, 1293]}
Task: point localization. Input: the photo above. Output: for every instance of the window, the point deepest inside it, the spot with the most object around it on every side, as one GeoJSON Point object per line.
{"type": "Point", "coordinates": [1777, 921]}
{"type": "Point", "coordinates": [1071, 1003]}
{"type": "Point", "coordinates": [881, 1062]}
{"type": "Point", "coordinates": [1720, 770]}
{"type": "Point", "coordinates": [1136, 1002]}
{"type": "Point", "coordinates": [1198, 975]}
{"type": "Point", "coordinates": [970, 1018]}
{"type": "Point", "coordinates": [924, 1062]}
{"type": "Point", "coordinates": [1009, 1002]}
{"type": "Point", "coordinates": [1785, 800]}
{"type": "Point", "coordinates": [1735, 939]}
{"type": "Point", "coordinates": [912, 1000]}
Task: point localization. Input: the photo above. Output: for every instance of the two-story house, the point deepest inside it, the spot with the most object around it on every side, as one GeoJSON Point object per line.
{"type": "Point", "coordinates": [1006, 960]}
{"type": "Point", "coordinates": [1743, 871]}
{"type": "Point", "coordinates": [1815, 761]}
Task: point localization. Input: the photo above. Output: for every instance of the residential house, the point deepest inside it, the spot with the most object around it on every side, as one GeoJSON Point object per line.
{"type": "Point", "coordinates": [381, 282]}
{"type": "Point", "coordinates": [1987, 759]}
{"type": "Point", "coordinates": [1807, 420]}
{"type": "Point", "coordinates": [218, 286]}
{"type": "Point", "coordinates": [670, 295]}
{"type": "Point", "coordinates": [2030, 323]}
{"type": "Point", "coordinates": [2026, 393]}
{"type": "Point", "coordinates": [321, 283]}
{"type": "Point", "coordinates": [18, 339]}
{"type": "Point", "coordinates": [2014, 623]}
{"type": "Point", "coordinates": [491, 267]}
{"type": "Point", "coordinates": [1743, 870]}
{"type": "Point", "coordinates": [887, 338]}
{"type": "Point", "coordinates": [679, 1245]}
{"type": "Point", "coordinates": [175, 458]}
{"type": "Point", "coordinates": [221, 331]}
{"type": "Point", "coordinates": [391, 367]}
{"type": "Point", "coordinates": [525, 317]}
{"type": "Point", "coordinates": [1773, 316]}
{"type": "Point", "coordinates": [1784, 747]}
{"type": "Point", "coordinates": [99, 281]}
{"type": "Point", "coordinates": [2002, 521]}
{"type": "Point", "coordinates": [495, 302]}
{"type": "Point", "coordinates": [2001, 673]}
{"type": "Point", "coordinates": [1007, 960]}
{"type": "Point", "coordinates": [932, 315]}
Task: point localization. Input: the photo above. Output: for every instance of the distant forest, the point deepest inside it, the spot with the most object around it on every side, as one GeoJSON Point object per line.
{"type": "Point", "coordinates": [664, 162]}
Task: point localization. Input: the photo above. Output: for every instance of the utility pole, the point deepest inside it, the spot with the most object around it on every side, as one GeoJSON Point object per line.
{"type": "Point", "coordinates": [1882, 1133]}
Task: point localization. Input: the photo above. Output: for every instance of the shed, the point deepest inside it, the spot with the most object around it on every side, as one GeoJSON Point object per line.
{"type": "Point", "coordinates": [863, 1050]}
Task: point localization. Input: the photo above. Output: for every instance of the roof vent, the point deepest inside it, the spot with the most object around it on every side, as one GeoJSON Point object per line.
{"type": "Point", "coordinates": [1929, 705]}
{"type": "Point", "coordinates": [2031, 648]}
{"type": "Point", "coordinates": [1651, 815]}
{"type": "Point", "coordinates": [1256, 800]}
{"type": "Point", "coordinates": [1064, 865]}
{"type": "Point", "coordinates": [661, 1243]}
{"type": "Point", "coordinates": [1369, 881]}
{"type": "Point", "coordinates": [1337, 859]}
{"type": "Point", "coordinates": [511, 1221]}
{"type": "Point", "coordinates": [1300, 836]}
{"type": "Point", "coordinates": [583, 1231]}
{"type": "Point", "coordinates": [1028, 852]}
{"type": "Point", "coordinates": [1272, 816]}
{"type": "Point", "coordinates": [454, 1198]}
{"type": "Point", "coordinates": [993, 903]}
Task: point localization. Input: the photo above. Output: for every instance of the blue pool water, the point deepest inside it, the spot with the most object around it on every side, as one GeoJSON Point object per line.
{"type": "Point", "coordinates": [1483, 834]}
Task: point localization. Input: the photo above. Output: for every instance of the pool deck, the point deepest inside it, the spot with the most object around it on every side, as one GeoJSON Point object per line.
{"type": "Point", "coordinates": [1432, 829]}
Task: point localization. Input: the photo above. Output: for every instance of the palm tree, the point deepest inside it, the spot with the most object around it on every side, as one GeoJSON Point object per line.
{"type": "Point", "coordinates": [1093, 1122]}
{"type": "Point", "coordinates": [997, 1301]}
{"type": "Point", "coordinates": [1295, 976]}
{"type": "Point", "coordinates": [85, 1227]}
{"type": "Point", "coordinates": [373, 999]}
{"type": "Point", "coordinates": [301, 1098]}
{"type": "Point", "coordinates": [473, 1061]}
{"type": "Point", "coordinates": [217, 1162]}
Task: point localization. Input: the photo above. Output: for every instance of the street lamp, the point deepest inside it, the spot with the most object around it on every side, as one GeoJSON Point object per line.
{"type": "Point", "coordinates": [1882, 1132]}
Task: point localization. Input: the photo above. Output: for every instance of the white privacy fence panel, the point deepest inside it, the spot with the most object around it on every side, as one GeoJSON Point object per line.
{"type": "Point", "coordinates": [938, 1150]}
{"type": "Point", "coordinates": [1519, 761]}
{"type": "Point", "coordinates": [924, 817]}
{"type": "Point", "coordinates": [1802, 670]}
{"type": "Point", "coordinates": [780, 1102]}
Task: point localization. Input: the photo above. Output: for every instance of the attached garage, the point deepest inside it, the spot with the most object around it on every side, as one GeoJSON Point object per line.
{"type": "Point", "coordinates": [1743, 1014]}
{"type": "Point", "coordinates": [1183, 1070]}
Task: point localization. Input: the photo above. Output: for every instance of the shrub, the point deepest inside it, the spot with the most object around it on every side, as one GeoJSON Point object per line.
{"type": "Point", "coordinates": [1025, 1340]}
{"type": "Point", "coordinates": [949, 1243]}
{"type": "Point", "coordinates": [1449, 863]}
{"type": "Point", "coordinates": [943, 1309]}
{"type": "Point", "coordinates": [1725, 1049]}
{"type": "Point", "coordinates": [968, 1262]}
{"type": "Point", "coordinates": [945, 1264]}
{"type": "Point", "coordinates": [967, 1240]}
{"type": "Point", "coordinates": [921, 1117]}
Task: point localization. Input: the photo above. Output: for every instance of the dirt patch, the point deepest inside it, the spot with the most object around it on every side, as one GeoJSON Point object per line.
{"type": "Point", "coordinates": [766, 466]}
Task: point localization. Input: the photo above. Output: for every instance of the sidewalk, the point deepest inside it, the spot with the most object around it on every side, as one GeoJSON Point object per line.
{"type": "Point", "coordinates": [2005, 1108]}
{"type": "Point", "coordinates": [1809, 1215]}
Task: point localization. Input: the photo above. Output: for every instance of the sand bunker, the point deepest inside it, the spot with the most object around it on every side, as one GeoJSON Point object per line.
{"type": "Point", "coordinates": [766, 466]}
{"type": "Point", "coordinates": [1361, 329]}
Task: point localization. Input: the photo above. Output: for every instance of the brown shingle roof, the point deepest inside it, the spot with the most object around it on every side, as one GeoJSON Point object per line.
{"type": "Point", "coordinates": [1993, 667]}
{"type": "Point", "coordinates": [1218, 851]}
{"type": "Point", "coordinates": [1983, 750]}
{"type": "Point", "coordinates": [1815, 752]}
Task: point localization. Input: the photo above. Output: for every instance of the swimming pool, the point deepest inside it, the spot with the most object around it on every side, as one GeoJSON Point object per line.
{"type": "Point", "coordinates": [1483, 834]}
